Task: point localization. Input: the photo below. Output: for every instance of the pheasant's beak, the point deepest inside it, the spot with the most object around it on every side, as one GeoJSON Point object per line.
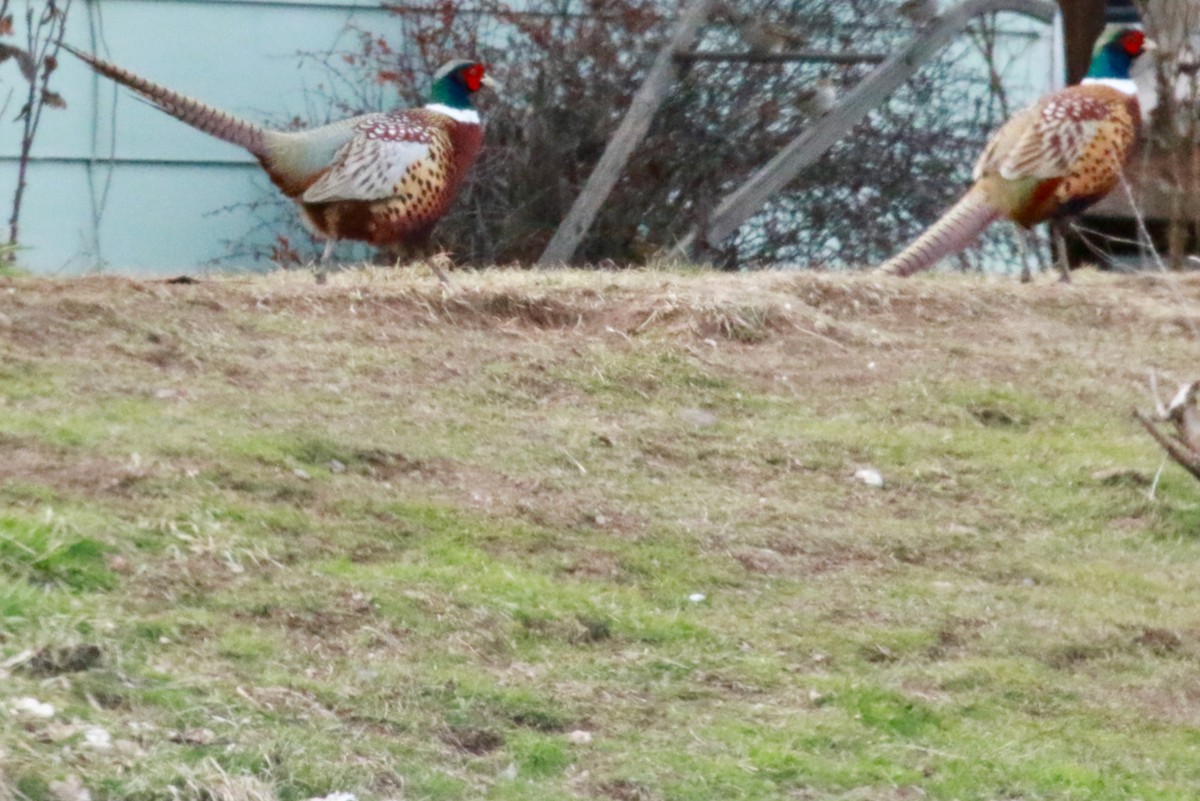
{"type": "Point", "coordinates": [1149, 46]}
{"type": "Point", "coordinates": [492, 83]}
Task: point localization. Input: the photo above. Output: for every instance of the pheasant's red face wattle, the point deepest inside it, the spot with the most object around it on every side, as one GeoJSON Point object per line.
{"type": "Point", "coordinates": [473, 76]}
{"type": "Point", "coordinates": [1134, 43]}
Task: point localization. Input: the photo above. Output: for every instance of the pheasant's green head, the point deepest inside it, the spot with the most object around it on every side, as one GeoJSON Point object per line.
{"type": "Point", "coordinates": [1116, 51]}
{"type": "Point", "coordinates": [457, 81]}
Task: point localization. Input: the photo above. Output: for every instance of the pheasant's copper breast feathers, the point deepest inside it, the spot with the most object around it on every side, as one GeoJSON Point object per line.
{"type": "Point", "coordinates": [1098, 166]}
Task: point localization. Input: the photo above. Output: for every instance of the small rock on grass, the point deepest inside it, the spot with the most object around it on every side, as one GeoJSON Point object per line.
{"type": "Point", "coordinates": [198, 736]}
{"type": "Point", "coordinates": [70, 789]}
{"type": "Point", "coordinates": [97, 738]}
{"type": "Point", "coordinates": [32, 707]}
{"type": "Point", "coordinates": [869, 476]}
{"type": "Point", "coordinates": [697, 417]}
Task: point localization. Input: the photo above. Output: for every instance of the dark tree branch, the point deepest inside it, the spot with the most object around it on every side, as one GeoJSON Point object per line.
{"type": "Point", "coordinates": [1186, 459]}
{"type": "Point", "coordinates": [742, 204]}
{"type": "Point", "coordinates": [784, 57]}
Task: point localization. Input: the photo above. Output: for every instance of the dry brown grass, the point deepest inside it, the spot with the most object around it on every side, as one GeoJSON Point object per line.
{"type": "Point", "coordinates": [399, 538]}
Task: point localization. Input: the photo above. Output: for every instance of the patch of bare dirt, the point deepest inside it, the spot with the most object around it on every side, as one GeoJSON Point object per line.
{"type": "Point", "coordinates": [473, 740]}
{"type": "Point", "coordinates": [1160, 641]}
{"type": "Point", "coordinates": [624, 790]}
{"type": "Point", "coordinates": [28, 460]}
{"type": "Point", "coordinates": [1176, 701]}
{"type": "Point", "coordinates": [197, 570]}
{"type": "Point", "coordinates": [345, 612]}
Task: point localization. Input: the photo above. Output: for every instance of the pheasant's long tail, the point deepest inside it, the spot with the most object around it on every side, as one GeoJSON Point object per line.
{"type": "Point", "coordinates": [199, 115]}
{"type": "Point", "coordinates": [956, 229]}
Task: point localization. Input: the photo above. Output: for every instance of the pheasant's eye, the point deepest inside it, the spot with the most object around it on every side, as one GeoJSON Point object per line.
{"type": "Point", "coordinates": [1134, 42]}
{"type": "Point", "coordinates": [473, 77]}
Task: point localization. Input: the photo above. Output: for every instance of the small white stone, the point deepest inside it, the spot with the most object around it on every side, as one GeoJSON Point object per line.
{"type": "Point", "coordinates": [697, 597]}
{"type": "Point", "coordinates": [33, 708]}
{"type": "Point", "coordinates": [98, 738]}
{"type": "Point", "coordinates": [697, 417]}
{"type": "Point", "coordinates": [869, 476]}
{"type": "Point", "coordinates": [70, 789]}
{"type": "Point", "coordinates": [579, 737]}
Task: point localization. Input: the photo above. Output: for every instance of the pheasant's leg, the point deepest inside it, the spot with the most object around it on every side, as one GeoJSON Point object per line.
{"type": "Point", "coordinates": [1023, 245]}
{"type": "Point", "coordinates": [421, 247]}
{"type": "Point", "coordinates": [323, 264]}
{"type": "Point", "coordinates": [432, 261]}
{"type": "Point", "coordinates": [1061, 260]}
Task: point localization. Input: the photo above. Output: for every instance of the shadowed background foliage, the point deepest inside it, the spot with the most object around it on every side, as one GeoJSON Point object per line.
{"type": "Point", "coordinates": [570, 70]}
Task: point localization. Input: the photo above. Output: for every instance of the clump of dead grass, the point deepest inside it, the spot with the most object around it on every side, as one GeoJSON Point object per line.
{"type": "Point", "coordinates": [210, 782]}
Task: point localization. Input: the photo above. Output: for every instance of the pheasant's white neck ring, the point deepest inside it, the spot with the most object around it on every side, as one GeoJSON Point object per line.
{"type": "Point", "coordinates": [466, 115]}
{"type": "Point", "coordinates": [1123, 85]}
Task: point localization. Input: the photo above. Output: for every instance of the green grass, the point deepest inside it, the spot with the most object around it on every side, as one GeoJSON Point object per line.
{"type": "Point", "coordinates": [374, 538]}
{"type": "Point", "coordinates": [51, 555]}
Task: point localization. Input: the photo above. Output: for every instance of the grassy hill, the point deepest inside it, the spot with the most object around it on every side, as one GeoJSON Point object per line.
{"type": "Point", "coordinates": [594, 535]}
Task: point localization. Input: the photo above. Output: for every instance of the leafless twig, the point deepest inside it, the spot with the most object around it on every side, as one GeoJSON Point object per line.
{"type": "Point", "coordinates": [44, 35]}
{"type": "Point", "coordinates": [1183, 414]}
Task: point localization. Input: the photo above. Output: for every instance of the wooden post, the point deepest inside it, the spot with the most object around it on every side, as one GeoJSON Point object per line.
{"type": "Point", "coordinates": [806, 148]}
{"type": "Point", "coordinates": [628, 136]}
{"type": "Point", "coordinates": [1082, 22]}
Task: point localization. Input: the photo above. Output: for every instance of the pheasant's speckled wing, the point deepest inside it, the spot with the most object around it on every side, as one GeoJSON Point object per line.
{"type": "Point", "coordinates": [1045, 140]}
{"type": "Point", "coordinates": [386, 152]}
{"type": "Point", "coordinates": [1003, 141]}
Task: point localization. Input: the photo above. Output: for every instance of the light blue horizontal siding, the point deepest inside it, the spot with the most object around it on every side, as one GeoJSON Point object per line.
{"type": "Point", "coordinates": [154, 218]}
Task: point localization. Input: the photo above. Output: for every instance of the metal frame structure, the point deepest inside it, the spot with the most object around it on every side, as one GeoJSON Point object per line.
{"type": "Point", "coordinates": [806, 148]}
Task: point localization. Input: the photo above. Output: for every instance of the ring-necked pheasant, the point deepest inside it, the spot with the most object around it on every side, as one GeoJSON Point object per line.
{"type": "Point", "coordinates": [1053, 159]}
{"type": "Point", "coordinates": [384, 178]}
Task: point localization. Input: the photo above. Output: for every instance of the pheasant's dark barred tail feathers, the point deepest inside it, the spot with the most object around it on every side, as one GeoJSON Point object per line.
{"type": "Point", "coordinates": [957, 228]}
{"type": "Point", "coordinates": [199, 115]}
